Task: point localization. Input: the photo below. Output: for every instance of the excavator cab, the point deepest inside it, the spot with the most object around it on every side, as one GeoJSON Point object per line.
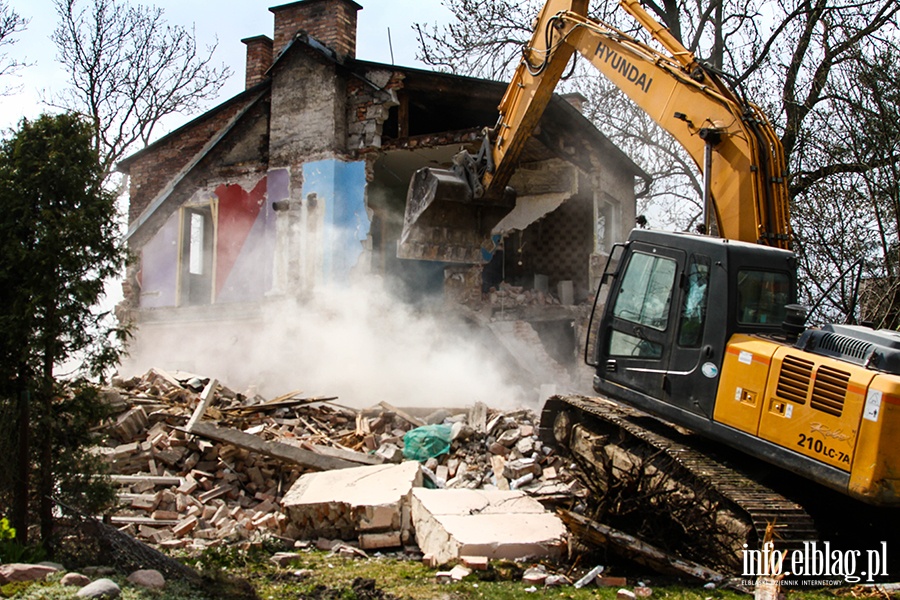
{"type": "Point", "coordinates": [673, 302]}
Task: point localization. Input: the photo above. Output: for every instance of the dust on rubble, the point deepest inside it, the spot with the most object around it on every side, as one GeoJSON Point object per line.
{"type": "Point", "coordinates": [181, 490]}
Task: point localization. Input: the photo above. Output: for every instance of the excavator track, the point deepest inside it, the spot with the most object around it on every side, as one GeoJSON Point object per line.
{"type": "Point", "coordinates": [753, 504]}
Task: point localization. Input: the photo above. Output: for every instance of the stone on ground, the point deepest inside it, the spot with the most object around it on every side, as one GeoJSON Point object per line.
{"type": "Point", "coordinates": [75, 579]}
{"type": "Point", "coordinates": [148, 578]}
{"type": "Point", "coordinates": [102, 588]}
{"type": "Point", "coordinates": [24, 572]}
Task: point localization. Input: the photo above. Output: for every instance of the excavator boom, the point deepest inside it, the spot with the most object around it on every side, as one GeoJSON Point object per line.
{"type": "Point", "coordinates": [729, 139]}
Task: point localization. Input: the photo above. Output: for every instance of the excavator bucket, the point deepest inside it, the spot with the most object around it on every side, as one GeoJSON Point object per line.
{"type": "Point", "coordinates": [446, 217]}
{"type": "Point", "coordinates": [430, 188]}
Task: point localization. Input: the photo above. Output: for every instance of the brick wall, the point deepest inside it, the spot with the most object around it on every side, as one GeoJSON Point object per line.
{"type": "Point", "coordinates": [369, 108]}
{"type": "Point", "coordinates": [158, 164]}
{"type": "Point", "coordinates": [259, 59]}
{"type": "Point", "coordinates": [332, 22]}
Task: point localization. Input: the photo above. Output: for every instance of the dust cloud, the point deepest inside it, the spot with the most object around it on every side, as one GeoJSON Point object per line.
{"type": "Point", "coordinates": [357, 342]}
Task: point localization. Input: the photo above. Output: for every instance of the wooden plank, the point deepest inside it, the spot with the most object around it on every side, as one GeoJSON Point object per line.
{"type": "Point", "coordinates": [156, 480]}
{"type": "Point", "coordinates": [277, 450]}
{"type": "Point", "coordinates": [280, 402]}
{"type": "Point", "coordinates": [206, 398]}
{"type": "Point", "coordinates": [126, 520]}
{"type": "Point", "coordinates": [639, 551]}
{"type": "Point", "coordinates": [414, 421]}
{"type": "Point", "coordinates": [357, 457]}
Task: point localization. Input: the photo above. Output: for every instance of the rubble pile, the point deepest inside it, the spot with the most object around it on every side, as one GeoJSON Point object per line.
{"type": "Point", "coordinates": [512, 295]}
{"type": "Point", "coordinates": [199, 464]}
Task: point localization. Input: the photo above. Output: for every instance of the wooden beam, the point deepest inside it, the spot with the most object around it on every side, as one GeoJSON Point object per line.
{"type": "Point", "coordinates": [206, 398]}
{"type": "Point", "coordinates": [284, 452]}
{"type": "Point", "coordinates": [640, 551]}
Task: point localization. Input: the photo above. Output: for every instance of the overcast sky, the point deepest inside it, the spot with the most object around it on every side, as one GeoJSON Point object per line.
{"type": "Point", "coordinates": [229, 21]}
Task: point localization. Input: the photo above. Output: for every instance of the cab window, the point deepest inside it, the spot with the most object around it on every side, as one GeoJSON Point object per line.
{"type": "Point", "coordinates": [646, 291]}
{"type": "Point", "coordinates": [693, 307]}
{"type": "Point", "coordinates": [762, 296]}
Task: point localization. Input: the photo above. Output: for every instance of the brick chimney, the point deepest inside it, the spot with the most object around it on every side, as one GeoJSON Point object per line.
{"type": "Point", "coordinates": [575, 99]}
{"type": "Point", "coordinates": [332, 22]}
{"type": "Point", "coordinates": [259, 59]}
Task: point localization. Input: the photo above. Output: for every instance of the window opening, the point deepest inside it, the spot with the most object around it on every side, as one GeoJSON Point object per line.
{"type": "Point", "coordinates": [762, 296]}
{"type": "Point", "coordinates": [693, 309]}
{"type": "Point", "coordinates": [197, 256]}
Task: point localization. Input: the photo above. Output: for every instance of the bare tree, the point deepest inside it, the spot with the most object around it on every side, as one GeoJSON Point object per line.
{"type": "Point", "coordinates": [11, 23]}
{"type": "Point", "coordinates": [800, 60]}
{"type": "Point", "coordinates": [129, 69]}
{"type": "Point", "coordinates": [858, 238]}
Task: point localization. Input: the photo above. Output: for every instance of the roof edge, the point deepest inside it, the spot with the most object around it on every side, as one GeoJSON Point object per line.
{"type": "Point", "coordinates": [123, 165]}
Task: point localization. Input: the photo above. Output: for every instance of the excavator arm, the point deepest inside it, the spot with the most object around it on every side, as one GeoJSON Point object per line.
{"type": "Point", "coordinates": [730, 140]}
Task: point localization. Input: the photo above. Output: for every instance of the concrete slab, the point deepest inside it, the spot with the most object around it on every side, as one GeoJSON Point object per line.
{"type": "Point", "coordinates": [347, 502]}
{"type": "Point", "coordinates": [496, 524]}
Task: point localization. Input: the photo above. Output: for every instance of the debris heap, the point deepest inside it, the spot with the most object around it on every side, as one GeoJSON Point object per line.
{"type": "Point", "coordinates": [199, 464]}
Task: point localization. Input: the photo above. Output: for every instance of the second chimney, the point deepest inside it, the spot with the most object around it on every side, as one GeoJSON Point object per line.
{"type": "Point", "coordinates": [332, 22]}
{"type": "Point", "coordinates": [259, 59]}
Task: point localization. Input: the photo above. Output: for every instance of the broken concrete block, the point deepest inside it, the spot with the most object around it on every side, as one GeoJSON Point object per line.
{"type": "Point", "coordinates": [535, 576]}
{"type": "Point", "coordinates": [461, 431]}
{"type": "Point", "coordinates": [429, 561]}
{"type": "Point", "coordinates": [557, 580]}
{"type": "Point", "coordinates": [478, 417]}
{"type": "Point", "coordinates": [496, 524]}
{"type": "Point", "coordinates": [459, 572]}
{"type": "Point", "coordinates": [525, 445]}
{"type": "Point", "coordinates": [345, 502]}
{"type": "Point", "coordinates": [515, 469]}
{"type": "Point", "coordinates": [476, 563]}
{"type": "Point", "coordinates": [509, 437]}
{"type": "Point", "coordinates": [371, 541]}
{"type": "Point", "coordinates": [589, 577]}
{"type": "Point", "coordinates": [390, 452]}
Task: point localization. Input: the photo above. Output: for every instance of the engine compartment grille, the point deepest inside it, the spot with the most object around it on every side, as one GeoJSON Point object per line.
{"type": "Point", "coordinates": [793, 381]}
{"type": "Point", "coordinates": [829, 390]}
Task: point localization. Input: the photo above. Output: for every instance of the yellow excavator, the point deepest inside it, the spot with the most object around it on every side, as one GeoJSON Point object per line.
{"type": "Point", "coordinates": [702, 331]}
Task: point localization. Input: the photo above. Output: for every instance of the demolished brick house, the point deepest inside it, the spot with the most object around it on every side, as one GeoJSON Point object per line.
{"type": "Point", "coordinates": [301, 180]}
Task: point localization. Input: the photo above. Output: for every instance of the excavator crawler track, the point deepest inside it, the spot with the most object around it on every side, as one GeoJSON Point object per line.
{"type": "Point", "coordinates": [746, 500]}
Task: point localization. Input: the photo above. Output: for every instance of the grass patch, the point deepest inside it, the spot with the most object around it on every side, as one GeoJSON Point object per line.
{"type": "Point", "coordinates": [317, 575]}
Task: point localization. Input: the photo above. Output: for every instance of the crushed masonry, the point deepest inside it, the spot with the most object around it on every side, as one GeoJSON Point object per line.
{"type": "Point", "coordinates": [198, 464]}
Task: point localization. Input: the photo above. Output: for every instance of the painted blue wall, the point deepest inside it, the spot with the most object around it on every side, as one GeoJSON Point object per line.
{"type": "Point", "coordinates": [340, 188]}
